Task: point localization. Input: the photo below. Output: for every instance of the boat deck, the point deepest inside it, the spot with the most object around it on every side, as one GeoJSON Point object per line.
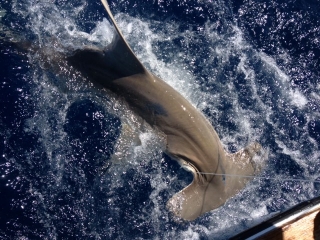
{"type": "Point", "coordinates": [301, 222]}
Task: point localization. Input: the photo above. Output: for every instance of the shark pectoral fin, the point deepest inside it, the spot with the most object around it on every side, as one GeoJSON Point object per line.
{"type": "Point", "coordinates": [197, 199]}
{"type": "Point", "coordinates": [253, 152]}
{"type": "Point", "coordinates": [241, 167]}
{"type": "Point", "coordinates": [245, 160]}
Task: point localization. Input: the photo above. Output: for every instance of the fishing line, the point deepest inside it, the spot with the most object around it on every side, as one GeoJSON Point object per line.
{"type": "Point", "coordinates": [268, 178]}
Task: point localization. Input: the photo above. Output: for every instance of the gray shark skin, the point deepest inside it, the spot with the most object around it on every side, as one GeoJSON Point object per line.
{"type": "Point", "coordinates": [191, 139]}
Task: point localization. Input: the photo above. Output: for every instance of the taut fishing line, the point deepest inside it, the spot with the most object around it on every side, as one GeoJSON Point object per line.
{"type": "Point", "coordinates": [268, 178]}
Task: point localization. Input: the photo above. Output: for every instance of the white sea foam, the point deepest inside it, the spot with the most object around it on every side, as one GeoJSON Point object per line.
{"type": "Point", "coordinates": [273, 65]}
{"type": "Point", "coordinates": [257, 213]}
{"type": "Point", "coordinates": [297, 98]}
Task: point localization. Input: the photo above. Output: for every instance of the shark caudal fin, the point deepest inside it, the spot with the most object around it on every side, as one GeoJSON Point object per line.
{"type": "Point", "coordinates": [208, 192]}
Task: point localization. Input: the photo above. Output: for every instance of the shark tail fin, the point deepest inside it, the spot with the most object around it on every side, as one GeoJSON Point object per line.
{"type": "Point", "coordinates": [207, 193]}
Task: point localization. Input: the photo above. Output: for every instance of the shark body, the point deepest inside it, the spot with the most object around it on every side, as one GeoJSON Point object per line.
{"type": "Point", "coordinates": [190, 137]}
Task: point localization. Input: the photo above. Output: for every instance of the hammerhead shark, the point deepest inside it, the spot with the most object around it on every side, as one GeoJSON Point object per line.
{"type": "Point", "coordinates": [190, 138]}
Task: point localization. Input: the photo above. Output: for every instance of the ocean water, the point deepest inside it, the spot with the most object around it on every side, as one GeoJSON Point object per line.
{"type": "Point", "coordinates": [76, 163]}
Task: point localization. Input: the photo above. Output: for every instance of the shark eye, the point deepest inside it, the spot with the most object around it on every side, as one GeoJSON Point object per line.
{"type": "Point", "coordinates": [186, 163]}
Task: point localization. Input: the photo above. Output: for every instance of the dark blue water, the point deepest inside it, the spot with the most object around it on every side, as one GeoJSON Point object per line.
{"type": "Point", "coordinates": [77, 164]}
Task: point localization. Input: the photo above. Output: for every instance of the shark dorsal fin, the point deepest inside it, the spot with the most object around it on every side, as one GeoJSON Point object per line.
{"type": "Point", "coordinates": [119, 49]}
